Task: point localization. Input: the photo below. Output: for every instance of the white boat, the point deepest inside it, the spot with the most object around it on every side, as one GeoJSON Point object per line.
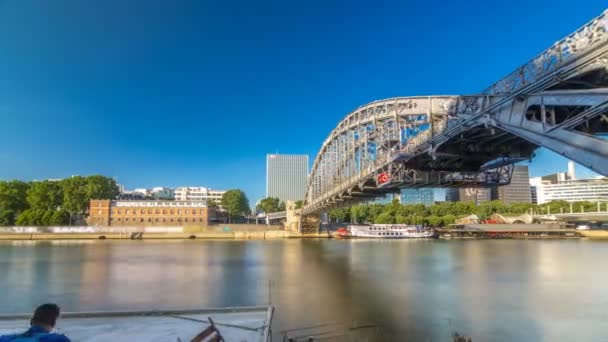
{"type": "Point", "coordinates": [386, 231]}
{"type": "Point", "coordinates": [250, 324]}
{"type": "Point", "coordinates": [583, 227]}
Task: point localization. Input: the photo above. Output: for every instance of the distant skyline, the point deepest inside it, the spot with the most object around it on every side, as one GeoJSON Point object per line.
{"type": "Point", "coordinates": [193, 93]}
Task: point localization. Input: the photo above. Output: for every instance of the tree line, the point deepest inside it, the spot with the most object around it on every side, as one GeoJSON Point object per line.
{"type": "Point", "coordinates": [50, 202]}
{"type": "Point", "coordinates": [445, 213]}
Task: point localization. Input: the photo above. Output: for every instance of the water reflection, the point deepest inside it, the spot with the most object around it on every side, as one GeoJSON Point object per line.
{"type": "Point", "coordinates": [492, 290]}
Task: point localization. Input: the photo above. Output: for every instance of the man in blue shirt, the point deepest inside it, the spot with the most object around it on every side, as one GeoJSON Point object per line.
{"type": "Point", "coordinates": [41, 324]}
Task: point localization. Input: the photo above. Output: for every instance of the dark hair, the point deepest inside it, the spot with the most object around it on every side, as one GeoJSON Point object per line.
{"type": "Point", "coordinates": [46, 314]}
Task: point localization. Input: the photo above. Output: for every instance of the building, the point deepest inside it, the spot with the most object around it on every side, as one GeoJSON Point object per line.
{"type": "Point", "coordinates": [424, 196]}
{"type": "Point", "coordinates": [533, 195]}
{"type": "Point", "coordinates": [518, 191]}
{"type": "Point", "coordinates": [162, 193]}
{"type": "Point", "coordinates": [198, 194]}
{"type": "Point", "coordinates": [149, 213]}
{"type": "Point", "coordinates": [592, 190]}
{"type": "Point", "coordinates": [286, 176]}
{"type": "Point", "coordinates": [477, 195]}
{"type": "Point", "coordinates": [452, 195]}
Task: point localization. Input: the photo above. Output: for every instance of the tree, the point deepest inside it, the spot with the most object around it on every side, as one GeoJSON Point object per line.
{"type": "Point", "coordinates": [101, 187]}
{"type": "Point", "coordinates": [235, 202]}
{"type": "Point", "coordinates": [212, 204]}
{"type": "Point", "coordinates": [384, 218]}
{"type": "Point", "coordinates": [13, 196]}
{"type": "Point", "coordinates": [45, 195]}
{"type": "Point", "coordinates": [7, 217]}
{"type": "Point", "coordinates": [75, 198]}
{"type": "Point", "coordinates": [299, 204]}
{"type": "Point", "coordinates": [270, 205]}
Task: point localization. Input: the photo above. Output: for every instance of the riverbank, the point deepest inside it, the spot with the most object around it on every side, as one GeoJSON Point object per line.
{"type": "Point", "coordinates": [234, 235]}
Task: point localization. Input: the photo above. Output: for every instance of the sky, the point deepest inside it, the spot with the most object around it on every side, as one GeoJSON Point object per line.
{"type": "Point", "coordinates": [196, 93]}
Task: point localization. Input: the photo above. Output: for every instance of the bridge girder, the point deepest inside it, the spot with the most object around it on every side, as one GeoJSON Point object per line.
{"type": "Point", "coordinates": [558, 100]}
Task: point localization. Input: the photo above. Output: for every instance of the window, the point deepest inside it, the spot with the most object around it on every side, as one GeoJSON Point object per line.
{"type": "Point", "coordinates": [111, 219]}
{"type": "Point", "coordinates": [164, 219]}
{"type": "Point", "coordinates": [119, 219]}
{"type": "Point", "coordinates": [186, 219]}
{"type": "Point", "coordinates": [141, 220]}
{"type": "Point", "coordinates": [149, 220]}
{"type": "Point", "coordinates": [119, 211]}
{"type": "Point", "coordinates": [179, 212]}
{"type": "Point", "coordinates": [149, 211]}
{"type": "Point", "coordinates": [155, 220]}
{"type": "Point", "coordinates": [179, 220]}
{"type": "Point", "coordinates": [171, 211]}
{"type": "Point", "coordinates": [157, 211]}
{"type": "Point", "coordinates": [127, 212]}
{"type": "Point", "coordinates": [194, 212]}
{"type": "Point", "coordinates": [171, 220]}
{"type": "Point", "coordinates": [186, 212]}
{"type": "Point", "coordinates": [142, 211]}
{"type": "Point", "coordinates": [164, 211]}
{"type": "Point", "coordinates": [98, 211]}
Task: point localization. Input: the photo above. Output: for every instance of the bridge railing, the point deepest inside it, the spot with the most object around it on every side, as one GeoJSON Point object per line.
{"type": "Point", "coordinates": [562, 52]}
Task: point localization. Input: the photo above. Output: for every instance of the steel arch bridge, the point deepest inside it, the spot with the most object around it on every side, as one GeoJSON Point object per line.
{"type": "Point", "coordinates": [558, 100]}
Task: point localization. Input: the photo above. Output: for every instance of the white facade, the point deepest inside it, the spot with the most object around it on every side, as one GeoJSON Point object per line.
{"type": "Point", "coordinates": [592, 190]}
{"type": "Point", "coordinates": [198, 194]}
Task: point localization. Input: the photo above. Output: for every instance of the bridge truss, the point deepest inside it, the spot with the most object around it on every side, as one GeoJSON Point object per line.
{"type": "Point", "coordinates": [558, 100]}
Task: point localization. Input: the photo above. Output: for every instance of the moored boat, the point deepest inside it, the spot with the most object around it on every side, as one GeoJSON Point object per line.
{"type": "Point", "coordinates": [386, 231]}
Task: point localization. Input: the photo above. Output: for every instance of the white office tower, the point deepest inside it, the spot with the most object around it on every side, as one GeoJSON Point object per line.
{"type": "Point", "coordinates": [571, 174]}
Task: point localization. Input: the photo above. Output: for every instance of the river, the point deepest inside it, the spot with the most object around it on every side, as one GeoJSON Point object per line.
{"type": "Point", "coordinates": [492, 290]}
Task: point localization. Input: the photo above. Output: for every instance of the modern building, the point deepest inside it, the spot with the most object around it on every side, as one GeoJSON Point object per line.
{"type": "Point", "coordinates": [286, 176]}
{"type": "Point", "coordinates": [564, 186]}
{"type": "Point", "coordinates": [424, 196]}
{"type": "Point", "coordinates": [198, 194]}
{"type": "Point", "coordinates": [592, 190]}
{"type": "Point", "coordinates": [477, 195]}
{"type": "Point", "coordinates": [533, 195]}
{"type": "Point", "coordinates": [452, 195]}
{"type": "Point", "coordinates": [149, 213]}
{"type": "Point", "coordinates": [518, 191]}
{"type": "Point", "coordinates": [162, 193]}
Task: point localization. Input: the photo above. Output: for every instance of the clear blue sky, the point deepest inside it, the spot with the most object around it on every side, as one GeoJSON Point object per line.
{"type": "Point", "coordinates": [197, 92]}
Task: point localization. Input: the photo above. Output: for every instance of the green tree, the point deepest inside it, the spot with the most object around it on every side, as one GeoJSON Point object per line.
{"type": "Point", "coordinates": [13, 196]}
{"type": "Point", "coordinates": [270, 205]}
{"type": "Point", "coordinates": [212, 204]}
{"type": "Point", "coordinates": [75, 198]}
{"type": "Point", "coordinates": [60, 217]}
{"type": "Point", "coordinates": [384, 218]}
{"type": "Point", "coordinates": [101, 187]}
{"type": "Point", "coordinates": [7, 217]}
{"type": "Point", "coordinates": [299, 204]}
{"type": "Point", "coordinates": [235, 202]}
{"type": "Point", "coordinates": [340, 214]}
{"type": "Point", "coordinates": [434, 221]}
{"type": "Point", "coordinates": [45, 195]}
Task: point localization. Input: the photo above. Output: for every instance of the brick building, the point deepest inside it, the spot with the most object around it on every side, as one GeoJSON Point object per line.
{"type": "Point", "coordinates": [149, 213]}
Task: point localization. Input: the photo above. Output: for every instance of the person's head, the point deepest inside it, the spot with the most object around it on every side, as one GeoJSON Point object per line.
{"type": "Point", "coordinates": [46, 316]}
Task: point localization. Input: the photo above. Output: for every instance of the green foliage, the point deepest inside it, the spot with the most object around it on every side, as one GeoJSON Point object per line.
{"type": "Point", "coordinates": [51, 202]}
{"type": "Point", "coordinates": [13, 196]}
{"type": "Point", "coordinates": [271, 205]}
{"type": "Point", "coordinates": [45, 195]}
{"type": "Point", "coordinates": [384, 218]}
{"type": "Point", "coordinates": [340, 214]}
{"type": "Point", "coordinates": [235, 202]}
{"type": "Point", "coordinates": [212, 204]}
{"type": "Point", "coordinates": [299, 204]}
{"type": "Point", "coordinates": [434, 221]}
{"type": "Point", "coordinates": [7, 217]}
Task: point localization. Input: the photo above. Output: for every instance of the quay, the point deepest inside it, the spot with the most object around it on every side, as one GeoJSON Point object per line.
{"type": "Point", "coordinates": [510, 231]}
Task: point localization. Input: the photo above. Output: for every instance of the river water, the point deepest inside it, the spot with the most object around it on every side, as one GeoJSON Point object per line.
{"type": "Point", "coordinates": [492, 290]}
